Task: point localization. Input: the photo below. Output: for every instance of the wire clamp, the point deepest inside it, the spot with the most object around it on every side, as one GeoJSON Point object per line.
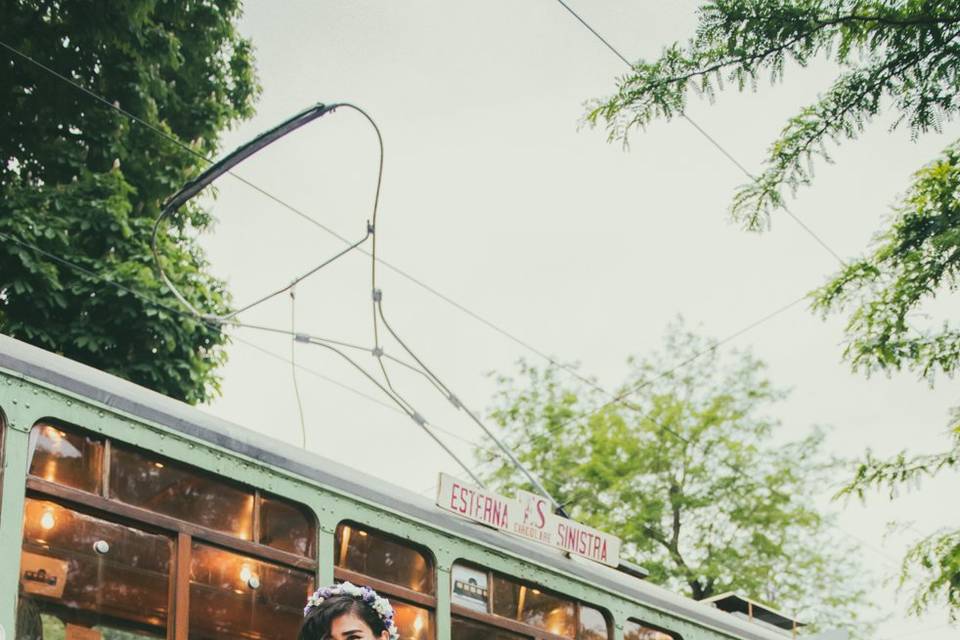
{"type": "Point", "coordinates": [377, 352]}
{"type": "Point", "coordinates": [369, 227]}
{"type": "Point", "coordinates": [301, 337]}
{"type": "Point", "coordinates": [377, 295]}
{"type": "Point", "coordinates": [455, 401]}
{"type": "Point", "coordinates": [419, 419]}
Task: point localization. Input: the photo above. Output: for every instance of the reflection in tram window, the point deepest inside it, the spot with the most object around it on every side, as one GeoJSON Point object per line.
{"type": "Point", "coordinates": [533, 607]}
{"type": "Point", "coordinates": [593, 624]}
{"type": "Point", "coordinates": [412, 622]}
{"type": "Point", "coordinates": [80, 570]}
{"type": "Point", "coordinates": [67, 457]}
{"type": "Point", "coordinates": [181, 493]}
{"type": "Point", "coordinates": [235, 596]}
{"type": "Point", "coordinates": [637, 631]}
{"type": "Point", "coordinates": [378, 556]}
{"type": "Point", "coordinates": [287, 527]}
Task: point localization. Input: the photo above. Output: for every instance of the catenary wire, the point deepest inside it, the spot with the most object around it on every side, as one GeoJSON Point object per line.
{"type": "Point", "coordinates": [301, 214]}
{"type": "Point", "coordinates": [428, 428]}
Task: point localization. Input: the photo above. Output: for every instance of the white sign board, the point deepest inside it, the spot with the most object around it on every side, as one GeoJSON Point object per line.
{"type": "Point", "coordinates": [477, 504]}
{"type": "Point", "coordinates": [528, 516]}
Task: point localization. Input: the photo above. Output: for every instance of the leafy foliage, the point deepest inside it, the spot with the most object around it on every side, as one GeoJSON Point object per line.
{"type": "Point", "coordinates": [896, 55]}
{"type": "Point", "coordinates": [81, 181]}
{"type": "Point", "coordinates": [917, 257]}
{"type": "Point", "coordinates": [689, 474]}
{"type": "Point", "coordinates": [932, 566]}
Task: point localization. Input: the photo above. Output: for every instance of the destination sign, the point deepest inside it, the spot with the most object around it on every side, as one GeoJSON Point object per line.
{"type": "Point", "coordinates": [529, 516]}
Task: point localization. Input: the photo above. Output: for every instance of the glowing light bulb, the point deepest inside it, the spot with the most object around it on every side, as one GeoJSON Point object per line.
{"type": "Point", "coordinates": [245, 574]}
{"type": "Point", "coordinates": [47, 521]}
{"type": "Point", "coordinates": [418, 623]}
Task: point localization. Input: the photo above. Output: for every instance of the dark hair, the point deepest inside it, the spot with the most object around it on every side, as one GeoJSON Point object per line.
{"type": "Point", "coordinates": [316, 625]}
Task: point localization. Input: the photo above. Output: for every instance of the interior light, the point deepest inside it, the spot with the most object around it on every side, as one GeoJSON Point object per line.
{"type": "Point", "coordinates": [361, 533]}
{"type": "Point", "coordinates": [245, 574]}
{"type": "Point", "coordinates": [158, 465]}
{"type": "Point", "coordinates": [535, 592]}
{"type": "Point", "coordinates": [47, 521]}
{"type": "Point", "coordinates": [418, 623]}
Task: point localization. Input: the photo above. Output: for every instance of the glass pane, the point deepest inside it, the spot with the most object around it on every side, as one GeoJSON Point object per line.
{"type": "Point", "coordinates": [181, 493]}
{"type": "Point", "coordinates": [461, 629]}
{"type": "Point", "coordinates": [234, 596]}
{"type": "Point", "coordinates": [380, 557]}
{"type": "Point", "coordinates": [287, 527]}
{"type": "Point", "coordinates": [534, 607]}
{"type": "Point", "coordinates": [636, 631]}
{"type": "Point", "coordinates": [593, 624]}
{"type": "Point", "coordinates": [82, 571]}
{"type": "Point", "coordinates": [71, 459]}
{"type": "Point", "coordinates": [412, 622]}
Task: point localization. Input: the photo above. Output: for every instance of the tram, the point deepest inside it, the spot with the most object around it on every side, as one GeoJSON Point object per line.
{"type": "Point", "coordinates": [126, 515]}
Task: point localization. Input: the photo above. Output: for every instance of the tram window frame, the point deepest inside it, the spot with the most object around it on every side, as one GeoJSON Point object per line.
{"type": "Point", "coordinates": [183, 533]}
{"type": "Point", "coordinates": [653, 627]}
{"type": "Point", "coordinates": [511, 625]}
{"type": "Point", "coordinates": [393, 592]}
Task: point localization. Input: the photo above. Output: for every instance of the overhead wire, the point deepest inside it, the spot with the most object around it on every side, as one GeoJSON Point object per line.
{"type": "Point", "coordinates": [378, 352]}
{"type": "Point", "coordinates": [297, 212]}
{"type": "Point", "coordinates": [183, 313]}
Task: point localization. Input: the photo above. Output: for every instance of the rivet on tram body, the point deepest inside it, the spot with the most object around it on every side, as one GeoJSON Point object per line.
{"type": "Point", "coordinates": [254, 582]}
{"type": "Point", "coordinates": [102, 547]}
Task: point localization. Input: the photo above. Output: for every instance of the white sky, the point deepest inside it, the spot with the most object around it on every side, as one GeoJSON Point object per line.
{"type": "Point", "coordinates": [494, 195]}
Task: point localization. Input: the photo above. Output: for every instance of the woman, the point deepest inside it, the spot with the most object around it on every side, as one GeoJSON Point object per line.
{"type": "Point", "coordinates": [347, 612]}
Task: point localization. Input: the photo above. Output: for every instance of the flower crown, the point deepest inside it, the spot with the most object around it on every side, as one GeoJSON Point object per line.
{"type": "Point", "coordinates": [365, 594]}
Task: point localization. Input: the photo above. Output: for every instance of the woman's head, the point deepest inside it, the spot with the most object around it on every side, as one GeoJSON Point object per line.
{"type": "Point", "coordinates": [347, 612]}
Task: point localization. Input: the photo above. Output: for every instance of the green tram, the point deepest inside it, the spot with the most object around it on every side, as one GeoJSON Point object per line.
{"type": "Point", "coordinates": [127, 515]}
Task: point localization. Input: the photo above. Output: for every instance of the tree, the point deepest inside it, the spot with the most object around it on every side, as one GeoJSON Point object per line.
{"type": "Point", "coordinates": [689, 473]}
{"type": "Point", "coordinates": [82, 182]}
{"type": "Point", "coordinates": [898, 55]}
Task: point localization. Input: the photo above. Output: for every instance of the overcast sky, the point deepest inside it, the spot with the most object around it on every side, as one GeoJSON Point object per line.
{"type": "Point", "coordinates": [495, 195]}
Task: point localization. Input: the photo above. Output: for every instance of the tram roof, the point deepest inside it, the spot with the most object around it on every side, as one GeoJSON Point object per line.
{"type": "Point", "coordinates": [130, 398]}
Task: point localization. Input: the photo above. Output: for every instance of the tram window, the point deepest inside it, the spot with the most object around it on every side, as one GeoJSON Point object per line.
{"type": "Point", "coordinates": [482, 598]}
{"type": "Point", "coordinates": [633, 630]}
{"type": "Point", "coordinates": [180, 493]}
{"type": "Point", "coordinates": [286, 527]}
{"type": "Point", "coordinates": [532, 606]}
{"type": "Point", "coordinates": [364, 551]}
{"type": "Point", "coordinates": [69, 458]}
{"type": "Point", "coordinates": [593, 624]}
{"type": "Point", "coordinates": [81, 571]}
{"type": "Point", "coordinates": [236, 596]}
{"type": "Point", "coordinates": [413, 622]}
